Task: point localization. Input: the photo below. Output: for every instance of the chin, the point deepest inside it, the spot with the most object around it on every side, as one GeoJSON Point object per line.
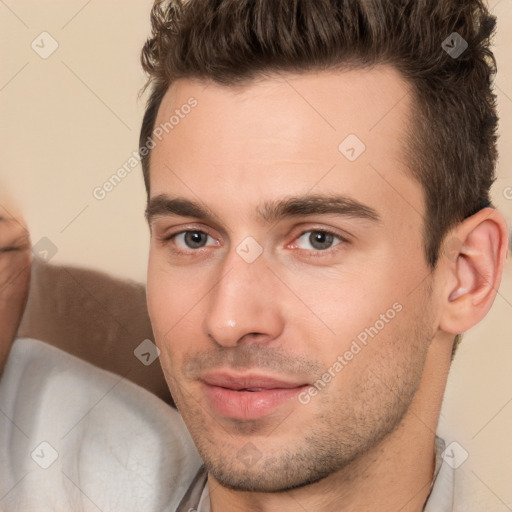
{"type": "Point", "coordinates": [268, 476]}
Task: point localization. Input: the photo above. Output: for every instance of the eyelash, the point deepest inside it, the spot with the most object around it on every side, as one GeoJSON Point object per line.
{"type": "Point", "coordinates": [314, 253]}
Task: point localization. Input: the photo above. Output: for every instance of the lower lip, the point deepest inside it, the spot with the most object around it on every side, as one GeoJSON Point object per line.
{"type": "Point", "coordinates": [248, 405]}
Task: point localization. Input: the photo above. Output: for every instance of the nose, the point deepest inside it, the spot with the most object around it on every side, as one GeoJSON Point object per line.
{"type": "Point", "coordinates": [243, 304]}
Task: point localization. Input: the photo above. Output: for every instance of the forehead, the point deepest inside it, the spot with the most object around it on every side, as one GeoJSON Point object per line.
{"type": "Point", "coordinates": [324, 132]}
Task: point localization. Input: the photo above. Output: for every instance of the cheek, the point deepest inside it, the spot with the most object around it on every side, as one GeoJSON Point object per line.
{"type": "Point", "coordinates": [370, 316]}
{"type": "Point", "coordinates": [173, 307]}
{"type": "Point", "coordinates": [346, 302]}
{"type": "Point", "coordinates": [167, 298]}
{"type": "Point", "coordinates": [155, 295]}
{"type": "Point", "coordinates": [162, 312]}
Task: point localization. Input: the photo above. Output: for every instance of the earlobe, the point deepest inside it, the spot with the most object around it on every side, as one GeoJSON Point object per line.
{"type": "Point", "coordinates": [474, 268]}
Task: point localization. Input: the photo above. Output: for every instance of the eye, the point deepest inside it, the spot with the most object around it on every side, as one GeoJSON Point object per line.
{"type": "Point", "coordinates": [314, 241]}
{"type": "Point", "coordinates": [190, 239]}
{"type": "Point", "coordinates": [318, 240]}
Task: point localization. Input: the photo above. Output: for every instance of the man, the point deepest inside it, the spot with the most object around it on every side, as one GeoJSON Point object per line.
{"type": "Point", "coordinates": [318, 182]}
{"type": "Point", "coordinates": [320, 235]}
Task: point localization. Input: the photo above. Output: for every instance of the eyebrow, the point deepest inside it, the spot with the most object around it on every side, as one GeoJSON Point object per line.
{"type": "Point", "coordinates": [270, 212]}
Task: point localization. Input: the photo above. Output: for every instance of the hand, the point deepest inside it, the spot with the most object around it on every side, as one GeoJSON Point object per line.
{"type": "Point", "coordinates": [15, 264]}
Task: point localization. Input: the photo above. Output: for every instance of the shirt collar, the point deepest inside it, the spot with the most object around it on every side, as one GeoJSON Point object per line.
{"type": "Point", "coordinates": [197, 494]}
{"type": "Point", "coordinates": [441, 497]}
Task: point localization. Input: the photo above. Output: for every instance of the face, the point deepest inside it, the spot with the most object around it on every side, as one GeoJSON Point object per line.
{"type": "Point", "coordinates": [287, 285]}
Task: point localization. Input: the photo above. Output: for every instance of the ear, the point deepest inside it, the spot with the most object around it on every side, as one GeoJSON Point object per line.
{"type": "Point", "coordinates": [474, 257]}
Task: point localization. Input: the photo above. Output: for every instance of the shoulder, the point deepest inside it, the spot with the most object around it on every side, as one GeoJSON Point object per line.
{"type": "Point", "coordinates": [91, 436]}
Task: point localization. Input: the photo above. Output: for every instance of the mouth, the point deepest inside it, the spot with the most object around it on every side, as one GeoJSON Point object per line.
{"type": "Point", "coordinates": [248, 397]}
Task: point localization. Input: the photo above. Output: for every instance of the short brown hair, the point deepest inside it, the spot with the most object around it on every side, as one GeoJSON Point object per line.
{"type": "Point", "coordinates": [451, 141]}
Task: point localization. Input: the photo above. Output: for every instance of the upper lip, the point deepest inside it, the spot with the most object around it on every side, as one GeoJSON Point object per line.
{"type": "Point", "coordinates": [237, 382]}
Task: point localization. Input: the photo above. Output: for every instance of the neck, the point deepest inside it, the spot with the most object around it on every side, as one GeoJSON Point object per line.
{"type": "Point", "coordinates": [396, 474]}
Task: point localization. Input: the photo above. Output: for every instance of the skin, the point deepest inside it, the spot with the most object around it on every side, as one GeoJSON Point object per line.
{"type": "Point", "coordinates": [297, 307]}
{"type": "Point", "coordinates": [15, 261]}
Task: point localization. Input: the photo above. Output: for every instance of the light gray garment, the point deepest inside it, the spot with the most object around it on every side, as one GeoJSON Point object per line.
{"type": "Point", "coordinates": [76, 438]}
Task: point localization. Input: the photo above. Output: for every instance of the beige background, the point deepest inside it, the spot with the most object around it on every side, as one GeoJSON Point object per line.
{"type": "Point", "coordinates": [70, 121]}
